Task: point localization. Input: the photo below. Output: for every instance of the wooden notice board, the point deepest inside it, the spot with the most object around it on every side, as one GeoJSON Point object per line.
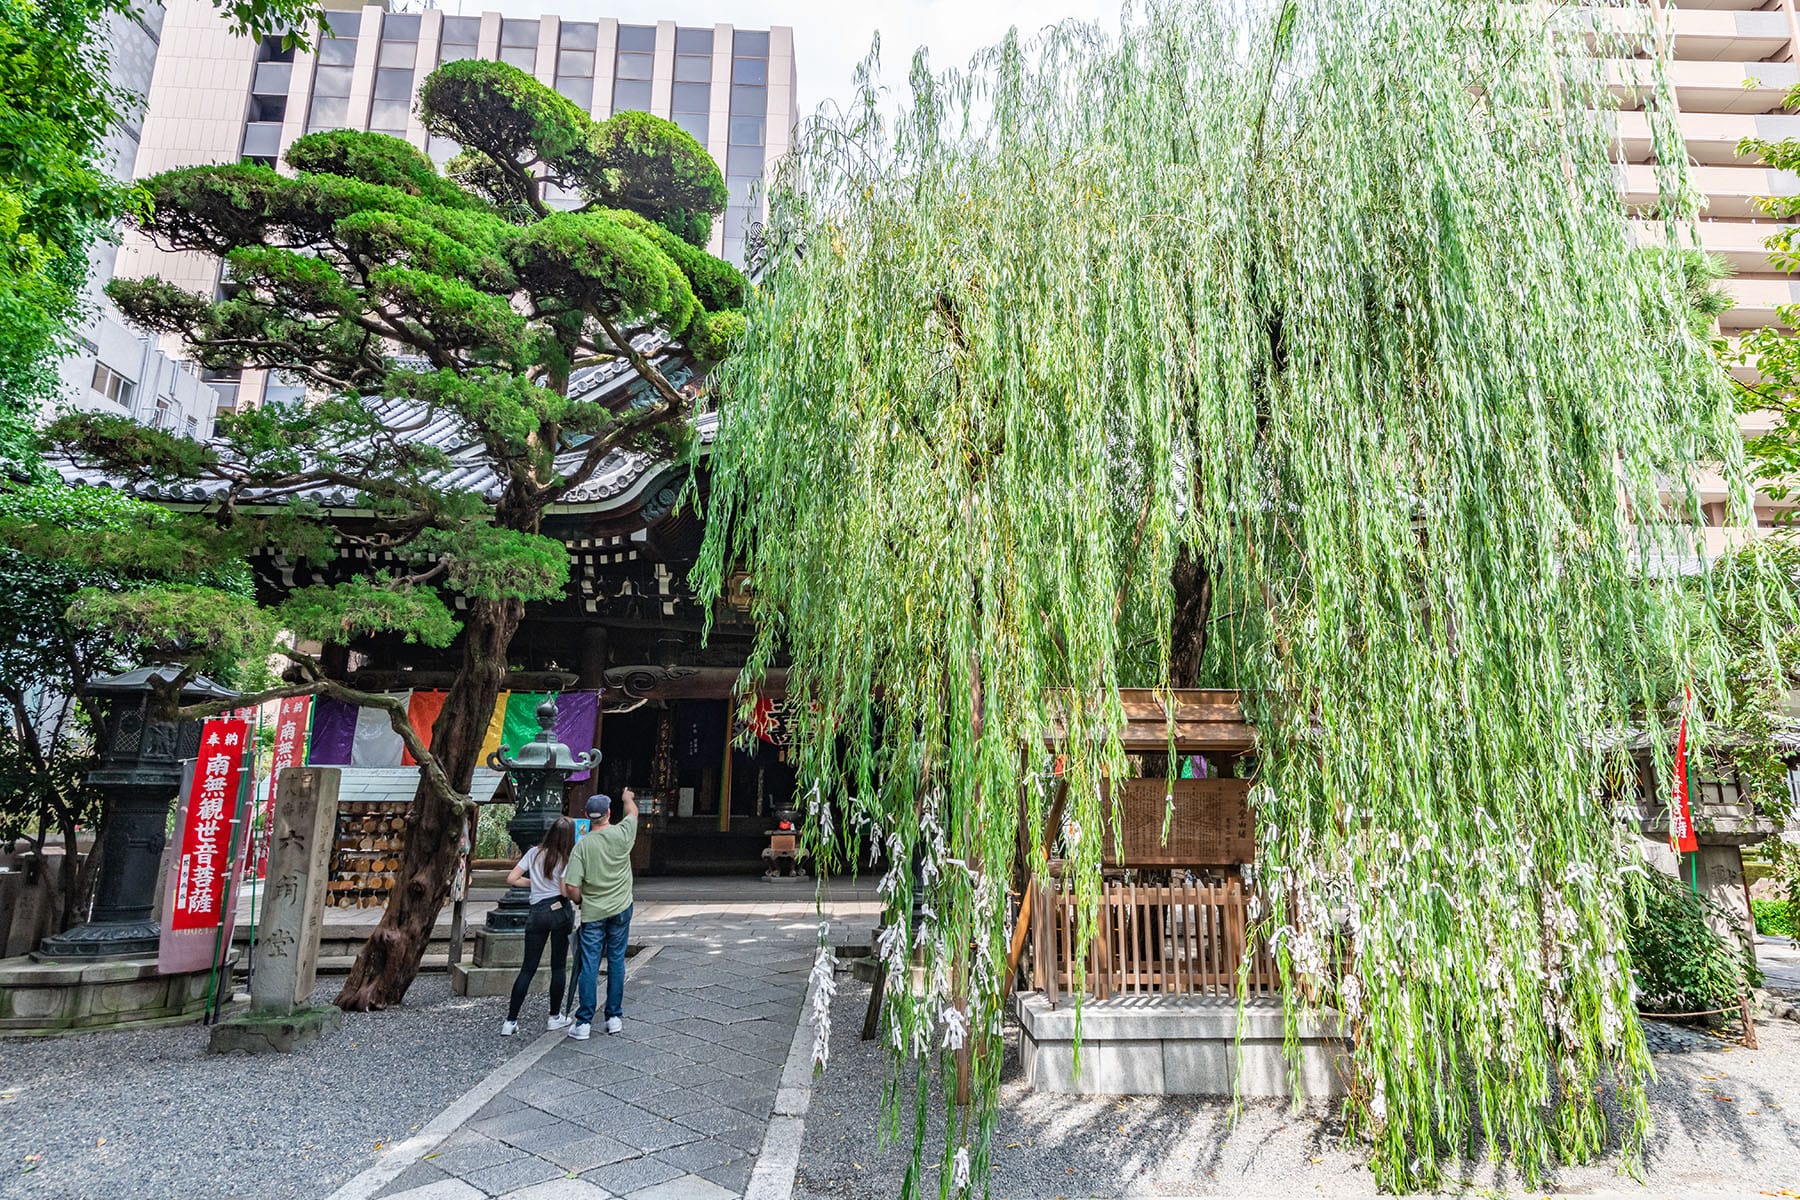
{"type": "Point", "coordinates": [1211, 825]}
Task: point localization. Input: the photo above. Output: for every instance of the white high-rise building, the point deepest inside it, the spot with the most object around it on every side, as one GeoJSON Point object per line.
{"type": "Point", "coordinates": [116, 368]}
{"type": "Point", "coordinates": [221, 98]}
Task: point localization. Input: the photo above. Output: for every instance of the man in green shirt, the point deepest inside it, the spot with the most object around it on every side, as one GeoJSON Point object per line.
{"type": "Point", "coordinates": [599, 876]}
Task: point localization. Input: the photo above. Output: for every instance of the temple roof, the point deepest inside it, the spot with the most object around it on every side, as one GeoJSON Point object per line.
{"type": "Point", "coordinates": [623, 475]}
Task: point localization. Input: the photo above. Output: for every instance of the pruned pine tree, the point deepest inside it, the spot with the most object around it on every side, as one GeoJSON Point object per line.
{"type": "Point", "coordinates": [408, 297]}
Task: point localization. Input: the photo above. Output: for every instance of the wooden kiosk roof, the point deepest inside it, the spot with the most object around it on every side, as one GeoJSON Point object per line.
{"type": "Point", "coordinates": [1204, 719]}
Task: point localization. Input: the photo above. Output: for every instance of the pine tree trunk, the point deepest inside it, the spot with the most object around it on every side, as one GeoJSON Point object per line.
{"type": "Point", "coordinates": [389, 961]}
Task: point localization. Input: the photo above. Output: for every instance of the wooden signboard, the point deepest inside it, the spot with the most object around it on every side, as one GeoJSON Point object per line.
{"type": "Point", "coordinates": [1211, 825]}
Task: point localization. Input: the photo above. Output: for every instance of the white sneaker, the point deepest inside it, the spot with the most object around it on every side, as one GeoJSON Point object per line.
{"type": "Point", "coordinates": [508, 1028]}
{"type": "Point", "coordinates": [558, 1021]}
{"type": "Point", "coordinates": [614, 1025]}
{"type": "Point", "coordinates": [580, 1032]}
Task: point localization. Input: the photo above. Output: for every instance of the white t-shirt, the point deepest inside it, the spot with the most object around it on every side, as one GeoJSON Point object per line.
{"type": "Point", "coordinates": [543, 887]}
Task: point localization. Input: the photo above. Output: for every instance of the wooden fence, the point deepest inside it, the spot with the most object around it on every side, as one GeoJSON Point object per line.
{"type": "Point", "coordinates": [1181, 939]}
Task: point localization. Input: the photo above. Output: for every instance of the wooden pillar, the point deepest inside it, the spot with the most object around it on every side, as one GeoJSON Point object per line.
{"type": "Point", "coordinates": [725, 777]}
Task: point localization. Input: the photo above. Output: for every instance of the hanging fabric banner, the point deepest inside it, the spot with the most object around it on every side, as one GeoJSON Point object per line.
{"type": "Point", "coordinates": [290, 751]}
{"type": "Point", "coordinates": [496, 727]}
{"type": "Point", "coordinates": [333, 733]}
{"type": "Point", "coordinates": [1681, 818]}
{"type": "Point", "coordinates": [575, 713]}
{"type": "Point", "coordinates": [422, 711]}
{"type": "Point", "coordinates": [521, 719]}
{"type": "Point", "coordinates": [376, 743]}
{"type": "Point", "coordinates": [200, 888]}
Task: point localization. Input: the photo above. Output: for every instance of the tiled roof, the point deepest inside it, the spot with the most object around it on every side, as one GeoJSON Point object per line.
{"type": "Point", "coordinates": [615, 480]}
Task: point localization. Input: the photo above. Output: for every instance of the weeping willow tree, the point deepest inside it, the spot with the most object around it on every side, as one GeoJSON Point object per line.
{"type": "Point", "coordinates": [1303, 351]}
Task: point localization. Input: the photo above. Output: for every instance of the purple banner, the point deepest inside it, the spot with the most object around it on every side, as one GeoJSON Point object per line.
{"type": "Point", "coordinates": [575, 713]}
{"type": "Point", "coordinates": [333, 733]}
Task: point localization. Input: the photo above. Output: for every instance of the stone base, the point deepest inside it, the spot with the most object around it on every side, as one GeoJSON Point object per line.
{"type": "Point", "coordinates": [1173, 1046]}
{"type": "Point", "coordinates": [271, 1033]}
{"type": "Point", "coordinates": [49, 999]}
{"type": "Point", "coordinates": [498, 956]}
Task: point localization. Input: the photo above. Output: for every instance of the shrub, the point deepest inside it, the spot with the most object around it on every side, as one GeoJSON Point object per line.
{"type": "Point", "coordinates": [1776, 918]}
{"type": "Point", "coordinates": [1679, 959]}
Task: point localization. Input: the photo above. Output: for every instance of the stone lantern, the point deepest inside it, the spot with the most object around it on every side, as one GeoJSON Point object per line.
{"type": "Point", "coordinates": [538, 772]}
{"type": "Point", "coordinates": [141, 757]}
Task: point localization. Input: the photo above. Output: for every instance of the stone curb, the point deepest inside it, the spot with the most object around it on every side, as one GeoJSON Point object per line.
{"type": "Point", "coordinates": [776, 1165]}
{"type": "Point", "coordinates": [401, 1155]}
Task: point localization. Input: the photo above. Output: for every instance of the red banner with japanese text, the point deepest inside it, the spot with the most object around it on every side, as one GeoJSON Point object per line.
{"type": "Point", "coordinates": [1681, 817]}
{"type": "Point", "coordinates": [203, 866]}
{"type": "Point", "coordinates": [290, 751]}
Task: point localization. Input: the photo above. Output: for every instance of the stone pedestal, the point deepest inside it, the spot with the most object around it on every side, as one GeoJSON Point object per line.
{"type": "Point", "coordinates": [47, 999]}
{"type": "Point", "coordinates": [287, 936]}
{"type": "Point", "coordinates": [1174, 1046]}
{"type": "Point", "coordinates": [275, 1033]}
{"type": "Point", "coordinates": [495, 965]}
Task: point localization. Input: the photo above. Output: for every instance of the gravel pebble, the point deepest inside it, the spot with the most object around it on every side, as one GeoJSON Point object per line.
{"type": "Point", "coordinates": [1728, 1122]}
{"type": "Point", "coordinates": [151, 1114]}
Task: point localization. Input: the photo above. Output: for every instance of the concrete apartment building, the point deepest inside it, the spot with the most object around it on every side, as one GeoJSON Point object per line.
{"type": "Point", "coordinates": [220, 98]}
{"type": "Point", "coordinates": [1732, 65]}
{"type": "Point", "coordinates": [114, 368]}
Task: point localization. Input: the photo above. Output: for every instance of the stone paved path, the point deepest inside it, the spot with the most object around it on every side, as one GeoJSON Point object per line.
{"type": "Point", "coordinates": [677, 1106]}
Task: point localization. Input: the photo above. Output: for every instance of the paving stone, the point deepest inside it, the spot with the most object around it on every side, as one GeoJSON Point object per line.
{"type": "Point", "coordinates": [517, 1121]}
{"type": "Point", "coordinates": [733, 1176]}
{"type": "Point", "coordinates": [473, 1155]}
{"type": "Point", "coordinates": [632, 1086]}
{"type": "Point", "coordinates": [445, 1189]}
{"type": "Point", "coordinates": [545, 1137]}
{"type": "Point", "coordinates": [670, 1102]}
{"type": "Point", "coordinates": [595, 1150]}
{"type": "Point", "coordinates": [538, 1090]}
{"type": "Point", "coordinates": [511, 1176]}
{"type": "Point", "coordinates": [687, 1187]}
{"type": "Point", "coordinates": [499, 1106]}
{"type": "Point", "coordinates": [652, 1133]}
{"type": "Point", "coordinates": [748, 1137]}
{"type": "Point", "coordinates": [715, 1119]}
{"type": "Point", "coordinates": [697, 1156]}
{"type": "Point", "coordinates": [632, 1175]}
{"type": "Point", "coordinates": [560, 1189]}
{"type": "Point", "coordinates": [415, 1177]}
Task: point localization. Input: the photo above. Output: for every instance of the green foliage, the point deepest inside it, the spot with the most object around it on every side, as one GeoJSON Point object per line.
{"type": "Point", "coordinates": [359, 607]}
{"type": "Point", "coordinates": [1776, 918]}
{"type": "Point", "coordinates": [1246, 290]}
{"type": "Point", "coordinates": [1679, 960]}
{"type": "Point", "coordinates": [1770, 350]}
{"type": "Point", "coordinates": [221, 633]}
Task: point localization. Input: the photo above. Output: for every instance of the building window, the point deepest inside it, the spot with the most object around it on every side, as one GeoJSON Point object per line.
{"type": "Point", "coordinates": [633, 65]}
{"type": "Point", "coordinates": [113, 386]}
{"type": "Point", "coordinates": [460, 39]}
{"type": "Point", "coordinates": [193, 427]}
{"type": "Point", "coordinates": [748, 135]}
{"type": "Point", "coordinates": [575, 62]}
{"type": "Point", "coordinates": [394, 74]}
{"type": "Point", "coordinates": [519, 43]}
{"type": "Point", "coordinates": [164, 416]}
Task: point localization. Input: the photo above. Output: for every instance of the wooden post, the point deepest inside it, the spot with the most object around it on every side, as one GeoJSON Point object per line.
{"type": "Point", "coordinates": [1749, 1021]}
{"type": "Point", "coordinates": [725, 777]}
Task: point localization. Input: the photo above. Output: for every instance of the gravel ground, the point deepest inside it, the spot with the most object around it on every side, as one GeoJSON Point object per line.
{"type": "Point", "coordinates": [1728, 1122]}
{"type": "Point", "coordinates": [151, 1114]}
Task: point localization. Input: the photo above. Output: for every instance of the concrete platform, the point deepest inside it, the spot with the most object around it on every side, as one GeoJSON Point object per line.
{"type": "Point", "coordinates": [1173, 1046]}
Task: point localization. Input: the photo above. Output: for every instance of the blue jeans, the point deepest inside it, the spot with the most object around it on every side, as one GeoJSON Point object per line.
{"type": "Point", "coordinates": [603, 937]}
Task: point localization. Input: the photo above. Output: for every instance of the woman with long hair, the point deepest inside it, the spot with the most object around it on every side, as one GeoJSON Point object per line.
{"type": "Point", "coordinates": [552, 919]}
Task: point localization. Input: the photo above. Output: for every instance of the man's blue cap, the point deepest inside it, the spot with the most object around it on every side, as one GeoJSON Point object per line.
{"type": "Point", "coordinates": [599, 805]}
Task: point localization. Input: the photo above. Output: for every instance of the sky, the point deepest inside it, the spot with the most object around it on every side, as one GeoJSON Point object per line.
{"type": "Point", "coordinates": [832, 36]}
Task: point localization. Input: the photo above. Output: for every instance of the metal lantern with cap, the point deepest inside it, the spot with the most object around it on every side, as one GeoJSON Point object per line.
{"type": "Point", "coordinates": [538, 772]}
{"type": "Point", "coordinates": [141, 757]}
